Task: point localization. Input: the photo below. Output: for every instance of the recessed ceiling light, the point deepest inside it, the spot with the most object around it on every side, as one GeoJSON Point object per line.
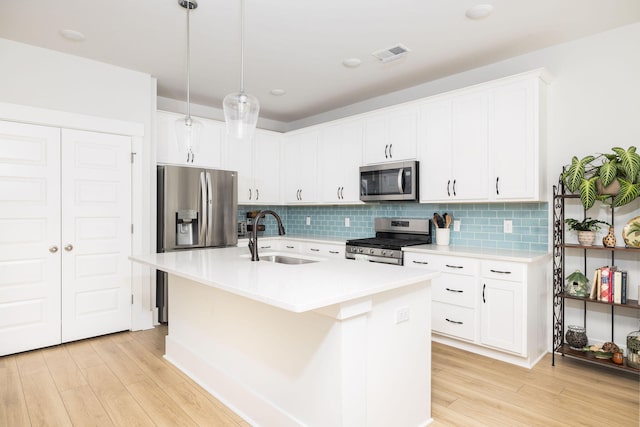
{"type": "Point", "coordinates": [351, 62]}
{"type": "Point", "coordinates": [278, 92]}
{"type": "Point", "coordinates": [72, 35]}
{"type": "Point", "coordinates": [479, 11]}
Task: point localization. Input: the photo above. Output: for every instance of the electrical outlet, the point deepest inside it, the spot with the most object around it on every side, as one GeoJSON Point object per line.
{"type": "Point", "coordinates": [347, 222]}
{"type": "Point", "coordinates": [308, 220]}
{"type": "Point", "coordinates": [456, 225]}
{"type": "Point", "coordinates": [508, 226]}
{"type": "Point", "coordinates": [402, 315]}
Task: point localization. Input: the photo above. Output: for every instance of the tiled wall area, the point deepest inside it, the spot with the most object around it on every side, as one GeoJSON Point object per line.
{"type": "Point", "coordinates": [481, 223]}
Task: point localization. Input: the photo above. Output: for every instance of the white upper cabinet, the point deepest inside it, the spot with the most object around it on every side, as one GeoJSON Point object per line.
{"type": "Point", "coordinates": [266, 166]}
{"type": "Point", "coordinates": [514, 132]}
{"type": "Point", "coordinates": [209, 151]}
{"type": "Point", "coordinates": [339, 161]}
{"type": "Point", "coordinates": [299, 171]}
{"type": "Point", "coordinates": [453, 148]}
{"type": "Point", "coordinates": [391, 135]}
{"type": "Point", "coordinates": [257, 162]}
{"type": "Point", "coordinates": [483, 144]}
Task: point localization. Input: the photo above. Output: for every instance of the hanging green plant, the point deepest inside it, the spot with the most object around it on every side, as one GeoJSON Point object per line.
{"type": "Point", "coordinates": [591, 175]}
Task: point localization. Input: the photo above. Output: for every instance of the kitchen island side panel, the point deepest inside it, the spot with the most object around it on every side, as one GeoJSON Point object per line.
{"type": "Point", "coordinates": [275, 367]}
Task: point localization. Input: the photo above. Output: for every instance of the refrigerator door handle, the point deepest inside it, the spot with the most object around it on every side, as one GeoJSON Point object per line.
{"type": "Point", "coordinates": [209, 209]}
{"type": "Point", "coordinates": [203, 210]}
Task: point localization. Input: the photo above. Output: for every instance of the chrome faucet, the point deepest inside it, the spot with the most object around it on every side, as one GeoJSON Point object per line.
{"type": "Point", "coordinates": [253, 237]}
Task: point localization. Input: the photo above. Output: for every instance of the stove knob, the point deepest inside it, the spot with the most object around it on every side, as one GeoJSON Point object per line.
{"type": "Point", "coordinates": [371, 251]}
{"type": "Point", "coordinates": [384, 253]}
{"type": "Point", "coordinates": [360, 250]}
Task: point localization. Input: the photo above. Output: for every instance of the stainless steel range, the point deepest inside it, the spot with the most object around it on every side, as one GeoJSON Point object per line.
{"type": "Point", "coordinates": [392, 234]}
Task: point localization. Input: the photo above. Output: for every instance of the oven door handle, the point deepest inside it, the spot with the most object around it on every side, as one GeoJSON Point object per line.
{"type": "Point", "coordinates": [401, 180]}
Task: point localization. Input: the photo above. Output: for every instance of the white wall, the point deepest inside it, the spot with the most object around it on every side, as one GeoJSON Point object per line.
{"type": "Point", "coordinates": [68, 91]}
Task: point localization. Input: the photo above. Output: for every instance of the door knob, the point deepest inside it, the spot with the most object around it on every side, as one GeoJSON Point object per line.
{"type": "Point", "coordinates": [53, 249]}
{"type": "Point", "coordinates": [69, 247]}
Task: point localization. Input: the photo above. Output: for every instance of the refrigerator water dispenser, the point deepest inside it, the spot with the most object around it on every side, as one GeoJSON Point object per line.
{"type": "Point", "coordinates": [187, 227]}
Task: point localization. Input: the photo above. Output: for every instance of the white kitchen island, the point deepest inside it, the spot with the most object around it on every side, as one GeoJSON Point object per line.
{"type": "Point", "coordinates": [330, 343]}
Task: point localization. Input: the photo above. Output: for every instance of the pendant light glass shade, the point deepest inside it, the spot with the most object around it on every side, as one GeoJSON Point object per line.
{"type": "Point", "coordinates": [188, 133]}
{"type": "Point", "coordinates": [188, 130]}
{"type": "Point", "coordinates": [241, 114]}
{"type": "Point", "coordinates": [241, 109]}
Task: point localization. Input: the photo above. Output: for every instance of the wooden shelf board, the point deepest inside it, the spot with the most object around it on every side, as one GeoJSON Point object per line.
{"type": "Point", "coordinates": [631, 303]}
{"type": "Point", "coordinates": [567, 351]}
{"type": "Point", "coordinates": [601, 248]}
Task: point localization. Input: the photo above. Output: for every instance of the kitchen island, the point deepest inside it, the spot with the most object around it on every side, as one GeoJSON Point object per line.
{"type": "Point", "coordinates": [328, 343]}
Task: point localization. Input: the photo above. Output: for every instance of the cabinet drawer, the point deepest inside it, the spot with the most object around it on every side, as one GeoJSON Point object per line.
{"type": "Point", "coordinates": [453, 289]}
{"type": "Point", "coordinates": [422, 261]}
{"type": "Point", "coordinates": [323, 249]}
{"type": "Point", "coordinates": [444, 264]}
{"type": "Point", "coordinates": [502, 270]}
{"type": "Point", "coordinates": [453, 320]}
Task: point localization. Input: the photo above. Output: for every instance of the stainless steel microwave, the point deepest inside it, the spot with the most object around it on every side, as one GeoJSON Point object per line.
{"type": "Point", "coordinates": [396, 181]}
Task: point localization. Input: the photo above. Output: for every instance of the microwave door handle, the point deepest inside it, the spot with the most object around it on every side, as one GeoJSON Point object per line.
{"type": "Point", "coordinates": [203, 210]}
{"type": "Point", "coordinates": [401, 181]}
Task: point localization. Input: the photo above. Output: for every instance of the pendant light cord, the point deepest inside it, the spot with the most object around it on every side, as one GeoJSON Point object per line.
{"type": "Point", "coordinates": [188, 67]}
{"type": "Point", "coordinates": [241, 46]}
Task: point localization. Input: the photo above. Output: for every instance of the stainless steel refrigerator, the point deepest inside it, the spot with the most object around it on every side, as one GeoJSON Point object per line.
{"type": "Point", "coordinates": [197, 208]}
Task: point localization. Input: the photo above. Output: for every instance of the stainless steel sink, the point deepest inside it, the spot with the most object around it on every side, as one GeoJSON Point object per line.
{"type": "Point", "coordinates": [283, 259]}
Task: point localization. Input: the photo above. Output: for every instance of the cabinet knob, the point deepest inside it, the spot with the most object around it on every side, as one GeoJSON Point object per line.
{"type": "Point", "coordinates": [53, 249]}
{"type": "Point", "coordinates": [257, 194]}
{"type": "Point", "coordinates": [497, 188]}
{"type": "Point", "coordinates": [68, 247]}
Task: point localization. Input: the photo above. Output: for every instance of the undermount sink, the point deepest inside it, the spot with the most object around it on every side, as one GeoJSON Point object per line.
{"type": "Point", "coordinates": [283, 259]}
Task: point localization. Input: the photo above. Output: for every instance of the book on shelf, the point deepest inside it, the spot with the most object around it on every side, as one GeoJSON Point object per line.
{"type": "Point", "coordinates": [617, 287]}
{"type": "Point", "coordinates": [609, 285]}
{"type": "Point", "coordinates": [605, 284]}
{"type": "Point", "coordinates": [595, 285]}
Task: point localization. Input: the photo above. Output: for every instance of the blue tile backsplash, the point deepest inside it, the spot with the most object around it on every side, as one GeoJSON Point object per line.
{"type": "Point", "coordinates": [481, 223]}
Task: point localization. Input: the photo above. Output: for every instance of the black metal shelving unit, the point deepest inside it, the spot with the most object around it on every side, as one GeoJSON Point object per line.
{"type": "Point", "coordinates": [559, 297]}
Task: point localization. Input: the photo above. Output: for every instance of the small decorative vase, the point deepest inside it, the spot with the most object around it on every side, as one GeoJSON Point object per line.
{"type": "Point", "coordinates": [576, 337]}
{"type": "Point", "coordinates": [609, 241]}
{"type": "Point", "coordinates": [586, 238]}
{"type": "Point", "coordinates": [617, 358]}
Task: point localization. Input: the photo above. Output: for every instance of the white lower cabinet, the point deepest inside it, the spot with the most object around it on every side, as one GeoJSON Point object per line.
{"type": "Point", "coordinates": [488, 306]}
{"type": "Point", "coordinates": [65, 235]}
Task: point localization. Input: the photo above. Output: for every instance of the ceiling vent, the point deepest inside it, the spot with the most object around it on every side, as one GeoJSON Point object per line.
{"type": "Point", "coordinates": [391, 53]}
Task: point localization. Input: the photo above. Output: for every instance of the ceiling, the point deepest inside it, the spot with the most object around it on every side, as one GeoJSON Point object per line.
{"type": "Point", "coordinates": [299, 45]}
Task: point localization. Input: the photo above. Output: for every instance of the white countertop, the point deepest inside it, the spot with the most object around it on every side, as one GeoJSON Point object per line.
{"type": "Point", "coordinates": [484, 253]}
{"type": "Point", "coordinates": [296, 288]}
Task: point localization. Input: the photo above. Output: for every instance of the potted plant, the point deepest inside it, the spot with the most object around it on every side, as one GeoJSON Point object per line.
{"type": "Point", "coordinates": [586, 229]}
{"type": "Point", "coordinates": [617, 174]}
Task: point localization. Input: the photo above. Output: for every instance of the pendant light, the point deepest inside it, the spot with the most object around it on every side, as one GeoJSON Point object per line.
{"type": "Point", "coordinates": [188, 130]}
{"type": "Point", "coordinates": [241, 109]}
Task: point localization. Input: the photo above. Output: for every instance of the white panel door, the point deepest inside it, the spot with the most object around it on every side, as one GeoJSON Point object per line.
{"type": "Point", "coordinates": [470, 154]}
{"type": "Point", "coordinates": [240, 159]}
{"type": "Point", "coordinates": [29, 237]}
{"type": "Point", "coordinates": [96, 234]}
{"type": "Point", "coordinates": [502, 315]}
{"type": "Point", "coordinates": [436, 151]}
{"type": "Point", "coordinates": [266, 167]}
{"type": "Point", "coordinates": [513, 140]}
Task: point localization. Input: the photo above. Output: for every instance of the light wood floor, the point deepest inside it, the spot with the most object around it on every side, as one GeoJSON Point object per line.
{"type": "Point", "coordinates": [123, 380]}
